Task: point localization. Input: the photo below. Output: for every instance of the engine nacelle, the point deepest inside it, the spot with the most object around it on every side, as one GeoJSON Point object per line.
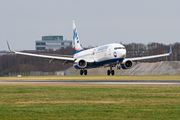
{"type": "Point", "coordinates": [127, 64]}
{"type": "Point", "coordinates": [80, 64]}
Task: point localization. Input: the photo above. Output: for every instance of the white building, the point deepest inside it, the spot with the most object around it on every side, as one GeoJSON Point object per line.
{"type": "Point", "coordinates": [52, 42]}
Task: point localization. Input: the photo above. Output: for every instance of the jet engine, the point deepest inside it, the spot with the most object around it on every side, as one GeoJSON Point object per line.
{"type": "Point", "coordinates": [80, 64]}
{"type": "Point", "coordinates": [126, 64]}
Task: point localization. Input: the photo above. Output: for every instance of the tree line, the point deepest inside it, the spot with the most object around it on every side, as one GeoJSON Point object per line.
{"type": "Point", "coordinates": [21, 63]}
{"type": "Point", "coordinates": [154, 48]}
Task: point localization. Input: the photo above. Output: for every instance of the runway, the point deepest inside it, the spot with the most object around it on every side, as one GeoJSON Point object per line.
{"type": "Point", "coordinates": [122, 82]}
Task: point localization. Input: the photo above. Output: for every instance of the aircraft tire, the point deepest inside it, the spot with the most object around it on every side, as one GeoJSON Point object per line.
{"type": "Point", "coordinates": [81, 72]}
{"type": "Point", "coordinates": [112, 72]}
{"type": "Point", "coordinates": [85, 72]}
{"type": "Point", "coordinates": [108, 72]}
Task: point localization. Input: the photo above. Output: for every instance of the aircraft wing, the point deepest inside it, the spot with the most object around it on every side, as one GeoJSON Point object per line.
{"type": "Point", "coordinates": [150, 57]}
{"type": "Point", "coordinates": [68, 59]}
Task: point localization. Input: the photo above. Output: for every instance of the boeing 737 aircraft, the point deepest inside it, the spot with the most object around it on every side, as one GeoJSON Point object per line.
{"type": "Point", "coordinates": [110, 55]}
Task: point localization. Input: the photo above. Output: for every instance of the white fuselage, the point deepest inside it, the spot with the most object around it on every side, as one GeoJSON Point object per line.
{"type": "Point", "coordinates": [102, 55]}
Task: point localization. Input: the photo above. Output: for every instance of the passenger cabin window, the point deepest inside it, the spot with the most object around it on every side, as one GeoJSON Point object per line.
{"type": "Point", "coordinates": [119, 48]}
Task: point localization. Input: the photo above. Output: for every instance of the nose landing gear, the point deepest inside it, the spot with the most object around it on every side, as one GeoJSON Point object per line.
{"type": "Point", "coordinates": [118, 67]}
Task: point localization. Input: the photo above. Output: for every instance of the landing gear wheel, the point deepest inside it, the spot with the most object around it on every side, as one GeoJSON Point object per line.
{"type": "Point", "coordinates": [81, 72]}
{"type": "Point", "coordinates": [118, 67]}
{"type": "Point", "coordinates": [85, 72]}
{"type": "Point", "coordinates": [108, 72]}
{"type": "Point", "coordinates": [112, 72]}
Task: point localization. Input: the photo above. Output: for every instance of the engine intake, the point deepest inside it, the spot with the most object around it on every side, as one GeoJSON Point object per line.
{"type": "Point", "coordinates": [80, 64]}
{"type": "Point", "coordinates": [127, 64]}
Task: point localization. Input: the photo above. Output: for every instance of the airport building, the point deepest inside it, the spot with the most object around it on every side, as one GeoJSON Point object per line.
{"type": "Point", "coordinates": [52, 42]}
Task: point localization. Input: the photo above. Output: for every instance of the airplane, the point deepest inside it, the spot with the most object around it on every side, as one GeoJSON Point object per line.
{"type": "Point", "coordinates": [109, 55]}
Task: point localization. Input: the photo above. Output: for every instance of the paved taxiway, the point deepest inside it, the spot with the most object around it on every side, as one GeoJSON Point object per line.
{"type": "Point", "coordinates": [93, 82]}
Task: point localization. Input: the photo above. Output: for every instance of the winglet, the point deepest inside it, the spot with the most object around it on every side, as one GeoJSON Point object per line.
{"type": "Point", "coordinates": [8, 46]}
{"type": "Point", "coordinates": [170, 49]}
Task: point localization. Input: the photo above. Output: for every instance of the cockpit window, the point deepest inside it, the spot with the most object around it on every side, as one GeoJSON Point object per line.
{"type": "Point", "coordinates": [119, 48]}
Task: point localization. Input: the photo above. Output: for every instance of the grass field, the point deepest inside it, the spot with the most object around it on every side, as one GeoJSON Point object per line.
{"type": "Point", "coordinates": [55, 101]}
{"type": "Point", "coordinates": [116, 77]}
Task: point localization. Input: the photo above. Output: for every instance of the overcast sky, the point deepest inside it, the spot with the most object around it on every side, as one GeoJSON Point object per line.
{"type": "Point", "coordinates": [98, 22]}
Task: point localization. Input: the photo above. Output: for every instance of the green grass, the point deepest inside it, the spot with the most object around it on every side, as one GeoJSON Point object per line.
{"type": "Point", "coordinates": [98, 77]}
{"type": "Point", "coordinates": [54, 101]}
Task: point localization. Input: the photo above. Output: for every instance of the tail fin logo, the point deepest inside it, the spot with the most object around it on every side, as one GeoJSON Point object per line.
{"type": "Point", "coordinates": [75, 35]}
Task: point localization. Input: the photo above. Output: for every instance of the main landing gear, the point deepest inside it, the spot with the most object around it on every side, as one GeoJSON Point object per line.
{"type": "Point", "coordinates": [110, 71]}
{"type": "Point", "coordinates": [83, 72]}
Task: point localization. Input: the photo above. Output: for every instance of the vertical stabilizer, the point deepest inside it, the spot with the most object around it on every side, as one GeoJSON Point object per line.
{"type": "Point", "coordinates": [77, 45]}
